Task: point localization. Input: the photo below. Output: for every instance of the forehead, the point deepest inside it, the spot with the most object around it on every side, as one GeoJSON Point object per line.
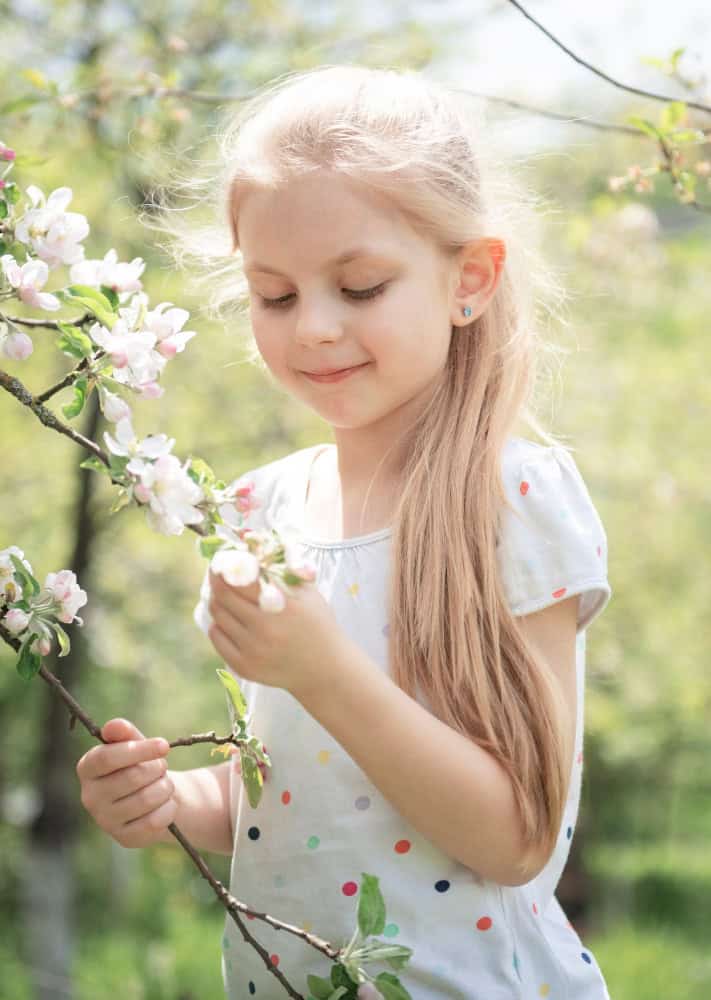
{"type": "Point", "coordinates": [319, 221]}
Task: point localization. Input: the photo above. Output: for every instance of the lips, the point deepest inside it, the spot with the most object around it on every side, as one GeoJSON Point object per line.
{"type": "Point", "coordinates": [333, 371]}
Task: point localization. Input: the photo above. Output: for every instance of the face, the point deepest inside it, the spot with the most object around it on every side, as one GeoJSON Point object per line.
{"type": "Point", "coordinates": [388, 308]}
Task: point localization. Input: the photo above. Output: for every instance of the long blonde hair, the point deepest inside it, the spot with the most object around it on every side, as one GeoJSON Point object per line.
{"type": "Point", "coordinates": [427, 148]}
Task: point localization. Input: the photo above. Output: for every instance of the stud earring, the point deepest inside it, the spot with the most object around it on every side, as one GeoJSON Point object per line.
{"type": "Point", "coordinates": [467, 310]}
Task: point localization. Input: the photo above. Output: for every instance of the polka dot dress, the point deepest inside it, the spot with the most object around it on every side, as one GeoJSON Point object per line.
{"type": "Point", "coordinates": [321, 823]}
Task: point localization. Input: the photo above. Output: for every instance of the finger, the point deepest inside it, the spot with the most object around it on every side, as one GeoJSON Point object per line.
{"type": "Point", "coordinates": [141, 803]}
{"type": "Point", "coordinates": [130, 779]}
{"type": "Point", "coordinates": [231, 626]}
{"type": "Point", "coordinates": [225, 647]}
{"type": "Point", "coordinates": [156, 819]}
{"type": "Point", "coordinates": [111, 757]}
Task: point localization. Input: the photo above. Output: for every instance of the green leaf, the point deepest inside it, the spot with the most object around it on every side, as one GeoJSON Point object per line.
{"type": "Point", "coordinates": [257, 749]}
{"type": "Point", "coordinates": [93, 463]}
{"type": "Point", "coordinates": [121, 501]}
{"type": "Point", "coordinates": [391, 987]}
{"type": "Point", "coordinates": [400, 961]}
{"type": "Point", "coordinates": [3, 247]}
{"type": "Point", "coordinates": [29, 663]}
{"type": "Point", "coordinates": [92, 299]}
{"type": "Point", "coordinates": [12, 193]}
{"type": "Point", "coordinates": [3, 209]}
{"type": "Point", "coordinates": [117, 464]}
{"type": "Point", "coordinates": [111, 295]}
{"type": "Point", "coordinates": [19, 104]}
{"type": "Point", "coordinates": [201, 472]}
{"type": "Point", "coordinates": [672, 114]}
{"type": "Point", "coordinates": [371, 907]}
{"type": "Point", "coordinates": [236, 702]}
{"type": "Point", "coordinates": [645, 126]}
{"type": "Point", "coordinates": [338, 993]}
{"type": "Point", "coordinates": [320, 988]}
{"type": "Point", "coordinates": [676, 55]}
{"type": "Point", "coordinates": [687, 135]}
{"type": "Point", "coordinates": [210, 545]}
{"type": "Point", "coordinates": [63, 638]}
{"type": "Point", "coordinates": [252, 777]}
{"type": "Point", "coordinates": [23, 576]}
{"type": "Point", "coordinates": [74, 341]}
{"type": "Point", "coordinates": [74, 408]}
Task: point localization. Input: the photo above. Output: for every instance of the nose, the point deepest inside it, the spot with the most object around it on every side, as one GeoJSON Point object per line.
{"type": "Point", "coordinates": [317, 322]}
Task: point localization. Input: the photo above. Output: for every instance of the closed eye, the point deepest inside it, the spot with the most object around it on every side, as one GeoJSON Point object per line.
{"type": "Point", "coordinates": [361, 295]}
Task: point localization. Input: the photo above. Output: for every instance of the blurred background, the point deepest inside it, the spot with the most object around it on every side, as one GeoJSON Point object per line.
{"type": "Point", "coordinates": [82, 917]}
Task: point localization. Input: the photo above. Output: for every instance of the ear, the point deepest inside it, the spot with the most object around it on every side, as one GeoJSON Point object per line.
{"type": "Point", "coordinates": [477, 270]}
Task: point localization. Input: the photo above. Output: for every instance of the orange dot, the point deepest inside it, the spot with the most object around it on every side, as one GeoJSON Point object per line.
{"type": "Point", "coordinates": [403, 846]}
{"type": "Point", "coordinates": [523, 488]}
{"type": "Point", "coordinates": [286, 798]}
{"type": "Point", "coordinates": [483, 923]}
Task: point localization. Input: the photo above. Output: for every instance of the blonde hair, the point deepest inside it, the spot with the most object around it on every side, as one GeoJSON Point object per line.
{"type": "Point", "coordinates": [428, 149]}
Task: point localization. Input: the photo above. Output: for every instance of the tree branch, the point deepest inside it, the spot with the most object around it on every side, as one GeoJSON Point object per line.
{"type": "Point", "coordinates": [598, 72]}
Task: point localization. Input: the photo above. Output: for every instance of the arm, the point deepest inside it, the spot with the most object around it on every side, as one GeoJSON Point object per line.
{"type": "Point", "coordinates": [204, 814]}
{"type": "Point", "coordinates": [451, 790]}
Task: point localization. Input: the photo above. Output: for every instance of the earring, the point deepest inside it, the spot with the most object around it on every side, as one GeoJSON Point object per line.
{"type": "Point", "coordinates": [467, 310]}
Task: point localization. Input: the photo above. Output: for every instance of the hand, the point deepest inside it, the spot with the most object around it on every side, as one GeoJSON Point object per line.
{"type": "Point", "coordinates": [125, 787]}
{"type": "Point", "coordinates": [292, 649]}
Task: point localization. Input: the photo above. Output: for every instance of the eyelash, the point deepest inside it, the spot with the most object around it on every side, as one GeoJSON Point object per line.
{"type": "Point", "coordinates": [360, 296]}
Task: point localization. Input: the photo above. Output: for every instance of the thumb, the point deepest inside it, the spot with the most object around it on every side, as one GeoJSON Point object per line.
{"type": "Point", "coordinates": [116, 730]}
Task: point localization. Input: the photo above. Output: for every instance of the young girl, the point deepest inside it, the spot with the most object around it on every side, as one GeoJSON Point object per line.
{"type": "Point", "coordinates": [372, 230]}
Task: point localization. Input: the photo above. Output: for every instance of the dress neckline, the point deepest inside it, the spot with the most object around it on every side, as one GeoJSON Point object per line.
{"type": "Point", "coordinates": [309, 457]}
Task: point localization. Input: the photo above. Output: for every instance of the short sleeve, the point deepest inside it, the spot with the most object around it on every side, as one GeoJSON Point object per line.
{"type": "Point", "coordinates": [552, 545]}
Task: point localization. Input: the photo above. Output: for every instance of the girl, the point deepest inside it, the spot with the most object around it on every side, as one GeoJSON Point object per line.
{"type": "Point", "coordinates": [439, 746]}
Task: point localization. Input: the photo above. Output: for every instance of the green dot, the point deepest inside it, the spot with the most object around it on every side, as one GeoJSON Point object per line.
{"type": "Point", "coordinates": [313, 842]}
{"type": "Point", "coordinates": [391, 930]}
{"type": "Point", "coordinates": [225, 943]}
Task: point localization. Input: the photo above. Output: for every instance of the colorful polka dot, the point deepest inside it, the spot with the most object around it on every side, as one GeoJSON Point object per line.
{"type": "Point", "coordinates": [253, 833]}
{"type": "Point", "coordinates": [286, 798]}
{"type": "Point", "coordinates": [386, 630]}
{"type": "Point", "coordinates": [323, 756]}
{"type": "Point", "coordinates": [560, 592]}
{"type": "Point", "coordinates": [274, 959]}
{"type": "Point", "coordinates": [544, 990]}
{"type": "Point", "coordinates": [252, 988]}
{"type": "Point", "coordinates": [585, 957]}
{"type": "Point", "coordinates": [362, 802]}
{"type": "Point", "coordinates": [403, 846]}
{"type": "Point", "coordinates": [349, 888]}
{"type": "Point", "coordinates": [484, 923]}
{"type": "Point", "coordinates": [523, 488]}
{"type": "Point", "coordinates": [517, 967]}
{"type": "Point", "coordinates": [391, 930]}
{"type": "Point", "coordinates": [442, 885]}
{"type": "Point", "coordinates": [353, 590]}
{"type": "Point", "coordinates": [225, 942]}
{"type": "Point", "coordinates": [313, 842]}
{"type": "Point", "coordinates": [307, 926]}
{"type": "Point", "coordinates": [535, 908]}
{"type": "Point", "coordinates": [569, 832]}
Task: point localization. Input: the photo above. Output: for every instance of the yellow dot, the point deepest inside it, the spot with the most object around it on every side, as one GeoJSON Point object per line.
{"type": "Point", "coordinates": [307, 926]}
{"type": "Point", "coordinates": [544, 990]}
{"type": "Point", "coordinates": [353, 590]}
{"type": "Point", "coordinates": [323, 756]}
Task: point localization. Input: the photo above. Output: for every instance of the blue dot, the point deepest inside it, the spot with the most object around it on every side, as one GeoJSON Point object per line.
{"type": "Point", "coordinates": [252, 987]}
{"type": "Point", "coordinates": [253, 833]}
{"type": "Point", "coordinates": [585, 957]}
{"type": "Point", "coordinates": [362, 802]}
{"type": "Point", "coordinates": [569, 833]}
{"type": "Point", "coordinates": [442, 885]}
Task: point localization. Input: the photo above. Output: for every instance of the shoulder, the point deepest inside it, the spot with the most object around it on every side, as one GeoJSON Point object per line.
{"type": "Point", "coordinates": [552, 543]}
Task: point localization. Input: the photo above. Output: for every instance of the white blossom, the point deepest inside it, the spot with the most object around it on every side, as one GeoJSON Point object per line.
{"type": "Point", "coordinates": [170, 493]}
{"type": "Point", "coordinates": [27, 279]}
{"type": "Point", "coordinates": [238, 567]}
{"type": "Point", "coordinates": [67, 594]}
{"type": "Point", "coordinates": [127, 444]}
{"type": "Point", "coordinates": [11, 591]}
{"type": "Point", "coordinates": [16, 621]}
{"type": "Point", "coordinates": [121, 276]}
{"type": "Point", "coordinates": [53, 234]}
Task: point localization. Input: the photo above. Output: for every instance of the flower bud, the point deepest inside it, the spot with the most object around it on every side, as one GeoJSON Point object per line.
{"type": "Point", "coordinates": [41, 645]}
{"type": "Point", "coordinates": [16, 620]}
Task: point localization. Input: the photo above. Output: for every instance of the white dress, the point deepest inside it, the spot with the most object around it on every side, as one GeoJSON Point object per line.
{"type": "Point", "coordinates": [321, 822]}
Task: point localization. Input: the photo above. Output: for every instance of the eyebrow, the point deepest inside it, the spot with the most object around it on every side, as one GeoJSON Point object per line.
{"type": "Point", "coordinates": [343, 258]}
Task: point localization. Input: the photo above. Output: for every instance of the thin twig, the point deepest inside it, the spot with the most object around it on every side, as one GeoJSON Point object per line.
{"type": "Point", "coordinates": [231, 904]}
{"type": "Point", "coordinates": [598, 72]}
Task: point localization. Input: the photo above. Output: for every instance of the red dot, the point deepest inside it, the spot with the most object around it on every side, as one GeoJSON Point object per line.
{"type": "Point", "coordinates": [559, 593]}
{"type": "Point", "coordinates": [349, 888]}
{"type": "Point", "coordinates": [403, 846]}
{"type": "Point", "coordinates": [483, 923]}
{"type": "Point", "coordinates": [250, 916]}
{"type": "Point", "coordinates": [286, 798]}
{"type": "Point", "coordinates": [274, 959]}
{"type": "Point", "coordinates": [535, 909]}
{"type": "Point", "coordinates": [523, 488]}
